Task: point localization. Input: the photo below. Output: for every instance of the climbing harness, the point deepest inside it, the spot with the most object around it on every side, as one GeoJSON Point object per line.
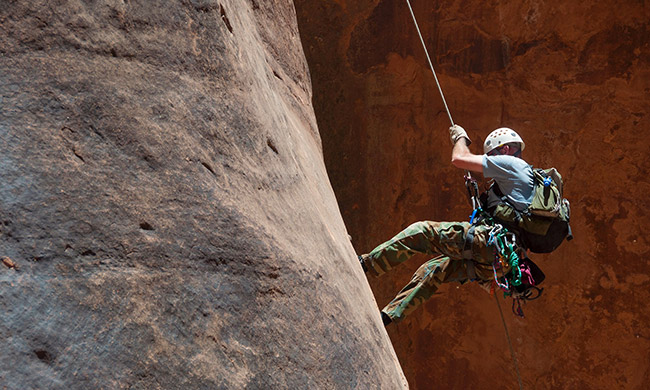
{"type": "Point", "coordinates": [506, 253]}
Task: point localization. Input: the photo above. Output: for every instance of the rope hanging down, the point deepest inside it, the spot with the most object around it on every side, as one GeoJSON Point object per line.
{"type": "Point", "coordinates": [430, 64]}
{"type": "Point", "coordinates": [512, 351]}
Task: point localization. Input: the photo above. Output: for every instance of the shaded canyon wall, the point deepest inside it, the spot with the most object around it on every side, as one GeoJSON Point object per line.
{"type": "Point", "coordinates": [574, 79]}
{"type": "Point", "coordinates": [166, 220]}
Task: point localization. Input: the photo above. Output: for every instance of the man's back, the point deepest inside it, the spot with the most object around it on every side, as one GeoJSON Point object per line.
{"type": "Point", "coordinates": [513, 176]}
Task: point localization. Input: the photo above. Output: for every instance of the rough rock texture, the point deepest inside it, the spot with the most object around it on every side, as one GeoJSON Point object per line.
{"type": "Point", "coordinates": [574, 79]}
{"type": "Point", "coordinates": [164, 201]}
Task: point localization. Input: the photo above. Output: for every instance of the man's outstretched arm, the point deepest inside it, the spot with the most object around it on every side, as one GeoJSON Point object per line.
{"type": "Point", "coordinates": [461, 156]}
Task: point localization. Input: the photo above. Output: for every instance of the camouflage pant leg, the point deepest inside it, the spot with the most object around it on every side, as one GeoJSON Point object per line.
{"type": "Point", "coordinates": [445, 238]}
{"type": "Point", "coordinates": [424, 284]}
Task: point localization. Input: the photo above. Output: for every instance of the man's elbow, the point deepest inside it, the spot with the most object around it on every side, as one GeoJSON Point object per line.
{"type": "Point", "coordinates": [456, 161]}
{"type": "Point", "coordinates": [467, 161]}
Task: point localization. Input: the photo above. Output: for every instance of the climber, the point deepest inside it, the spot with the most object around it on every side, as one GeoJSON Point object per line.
{"type": "Point", "coordinates": [465, 252]}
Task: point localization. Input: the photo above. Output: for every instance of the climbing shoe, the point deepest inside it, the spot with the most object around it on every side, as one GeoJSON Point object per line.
{"type": "Point", "coordinates": [386, 318]}
{"type": "Point", "coordinates": [365, 268]}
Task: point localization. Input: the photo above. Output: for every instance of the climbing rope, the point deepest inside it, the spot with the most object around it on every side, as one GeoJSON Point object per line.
{"type": "Point", "coordinates": [504, 245]}
{"type": "Point", "coordinates": [426, 52]}
{"type": "Point", "coordinates": [512, 350]}
{"type": "Point", "coordinates": [430, 64]}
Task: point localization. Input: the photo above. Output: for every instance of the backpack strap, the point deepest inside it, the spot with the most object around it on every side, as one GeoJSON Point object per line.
{"type": "Point", "coordinates": [514, 225]}
{"type": "Point", "coordinates": [504, 199]}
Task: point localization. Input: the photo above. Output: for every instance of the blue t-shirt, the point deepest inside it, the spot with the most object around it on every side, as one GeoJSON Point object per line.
{"type": "Point", "coordinates": [514, 177]}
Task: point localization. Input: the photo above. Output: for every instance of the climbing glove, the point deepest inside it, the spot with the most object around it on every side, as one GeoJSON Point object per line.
{"type": "Point", "coordinates": [456, 132]}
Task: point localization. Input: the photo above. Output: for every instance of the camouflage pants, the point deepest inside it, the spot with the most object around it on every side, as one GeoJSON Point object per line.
{"type": "Point", "coordinates": [445, 239]}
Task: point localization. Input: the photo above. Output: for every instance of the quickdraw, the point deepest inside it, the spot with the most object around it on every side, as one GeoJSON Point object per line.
{"type": "Point", "coordinates": [505, 247]}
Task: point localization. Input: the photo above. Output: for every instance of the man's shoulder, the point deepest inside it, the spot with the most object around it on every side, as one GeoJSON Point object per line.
{"type": "Point", "coordinates": [506, 163]}
{"type": "Point", "coordinates": [507, 160]}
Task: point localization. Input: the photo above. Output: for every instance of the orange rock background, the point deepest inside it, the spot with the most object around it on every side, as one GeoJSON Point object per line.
{"type": "Point", "coordinates": [573, 79]}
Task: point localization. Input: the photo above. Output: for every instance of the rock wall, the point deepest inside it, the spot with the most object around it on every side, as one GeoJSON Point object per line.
{"type": "Point", "coordinates": [166, 218]}
{"type": "Point", "coordinates": [573, 78]}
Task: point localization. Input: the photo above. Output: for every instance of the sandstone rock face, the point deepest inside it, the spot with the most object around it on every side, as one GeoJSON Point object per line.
{"type": "Point", "coordinates": [166, 217]}
{"type": "Point", "coordinates": [573, 78]}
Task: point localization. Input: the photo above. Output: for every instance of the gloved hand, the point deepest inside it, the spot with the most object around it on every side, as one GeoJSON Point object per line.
{"type": "Point", "coordinates": [456, 132]}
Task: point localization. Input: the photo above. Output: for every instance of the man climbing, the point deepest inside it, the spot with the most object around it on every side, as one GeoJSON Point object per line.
{"type": "Point", "coordinates": [466, 252]}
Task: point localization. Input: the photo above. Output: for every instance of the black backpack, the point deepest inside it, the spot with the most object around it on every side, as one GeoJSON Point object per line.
{"type": "Point", "coordinates": [544, 225]}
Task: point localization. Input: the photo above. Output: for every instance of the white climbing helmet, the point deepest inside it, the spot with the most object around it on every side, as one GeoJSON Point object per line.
{"type": "Point", "coordinates": [500, 137]}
